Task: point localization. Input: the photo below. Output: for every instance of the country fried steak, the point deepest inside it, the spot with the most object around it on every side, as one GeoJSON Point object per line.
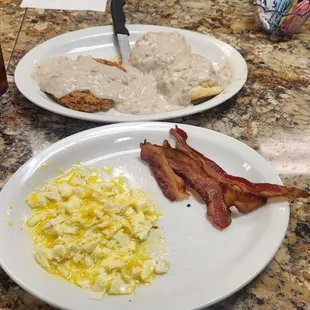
{"type": "Point", "coordinates": [86, 102]}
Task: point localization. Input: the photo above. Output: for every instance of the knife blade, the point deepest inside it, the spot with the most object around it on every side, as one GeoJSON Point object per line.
{"type": "Point", "coordinates": [120, 30]}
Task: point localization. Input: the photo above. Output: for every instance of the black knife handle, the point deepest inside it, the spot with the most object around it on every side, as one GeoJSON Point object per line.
{"type": "Point", "coordinates": [118, 16]}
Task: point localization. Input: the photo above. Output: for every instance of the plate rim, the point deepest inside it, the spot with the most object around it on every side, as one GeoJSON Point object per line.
{"type": "Point", "coordinates": [108, 29]}
{"type": "Point", "coordinates": [114, 128]}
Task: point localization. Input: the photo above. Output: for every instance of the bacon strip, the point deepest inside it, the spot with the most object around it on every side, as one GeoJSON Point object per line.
{"type": "Point", "coordinates": [172, 186]}
{"type": "Point", "coordinates": [208, 188]}
{"type": "Point", "coordinates": [244, 202]}
{"type": "Point", "coordinates": [261, 189]}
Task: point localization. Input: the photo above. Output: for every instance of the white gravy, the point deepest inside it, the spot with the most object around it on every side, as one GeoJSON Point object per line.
{"type": "Point", "coordinates": [161, 74]}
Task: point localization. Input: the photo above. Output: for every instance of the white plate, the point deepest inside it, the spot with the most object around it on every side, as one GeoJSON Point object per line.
{"type": "Point", "coordinates": [207, 265]}
{"type": "Point", "coordinates": [99, 42]}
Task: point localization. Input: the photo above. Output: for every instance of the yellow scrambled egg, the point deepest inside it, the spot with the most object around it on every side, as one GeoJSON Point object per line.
{"type": "Point", "coordinates": [95, 233]}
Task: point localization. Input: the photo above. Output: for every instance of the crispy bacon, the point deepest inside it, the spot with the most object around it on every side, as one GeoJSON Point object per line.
{"type": "Point", "coordinates": [244, 202]}
{"type": "Point", "coordinates": [261, 189]}
{"type": "Point", "coordinates": [208, 188]}
{"type": "Point", "coordinates": [172, 186]}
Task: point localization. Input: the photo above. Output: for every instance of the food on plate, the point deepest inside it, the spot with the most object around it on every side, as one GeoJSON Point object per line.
{"type": "Point", "coordinates": [194, 176]}
{"type": "Point", "coordinates": [162, 74]}
{"type": "Point", "coordinates": [263, 189]}
{"type": "Point", "coordinates": [172, 185]}
{"type": "Point", "coordinates": [84, 100]}
{"type": "Point", "coordinates": [80, 100]}
{"type": "Point", "coordinates": [182, 76]}
{"type": "Point", "coordinates": [244, 202]}
{"type": "Point", "coordinates": [218, 189]}
{"type": "Point", "coordinates": [96, 232]}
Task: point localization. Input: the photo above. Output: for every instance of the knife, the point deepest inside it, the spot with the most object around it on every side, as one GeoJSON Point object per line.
{"type": "Point", "coordinates": [120, 30]}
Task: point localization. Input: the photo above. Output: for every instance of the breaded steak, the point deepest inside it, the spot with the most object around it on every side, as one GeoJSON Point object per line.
{"type": "Point", "coordinates": [86, 102]}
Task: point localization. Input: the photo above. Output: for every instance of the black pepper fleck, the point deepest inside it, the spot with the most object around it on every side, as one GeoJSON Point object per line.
{"type": "Point", "coordinates": [188, 205]}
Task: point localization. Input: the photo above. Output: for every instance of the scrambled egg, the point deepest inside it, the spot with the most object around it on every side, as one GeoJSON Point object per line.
{"type": "Point", "coordinates": [95, 233]}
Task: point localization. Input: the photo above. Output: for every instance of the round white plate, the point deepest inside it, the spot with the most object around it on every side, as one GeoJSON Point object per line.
{"type": "Point", "coordinates": [207, 265]}
{"type": "Point", "coordinates": [99, 42]}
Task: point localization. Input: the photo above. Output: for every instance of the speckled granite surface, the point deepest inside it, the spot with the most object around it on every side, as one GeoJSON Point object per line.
{"type": "Point", "coordinates": [11, 16]}
{"type": "Point", "coordinates": [271, 114]}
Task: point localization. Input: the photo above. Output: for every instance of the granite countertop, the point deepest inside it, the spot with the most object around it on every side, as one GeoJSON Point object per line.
{"type": "Point", "coordinates": [271, 114]}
